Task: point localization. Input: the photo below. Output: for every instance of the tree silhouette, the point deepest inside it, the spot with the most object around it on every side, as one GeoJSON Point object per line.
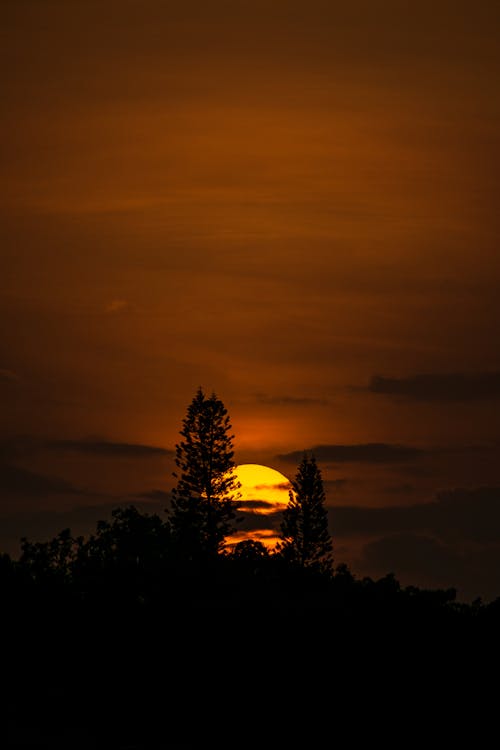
{"type": "Point", "coordinates": [50, 560]}
{"type": "Point", "coordinates": [204, 500]}
{"type": "Point", "coordinates": [131, 540]}
{"type": "Point", "coordinates": [249, 550]}
{"type": "Point", "coordinates": [305, 537]}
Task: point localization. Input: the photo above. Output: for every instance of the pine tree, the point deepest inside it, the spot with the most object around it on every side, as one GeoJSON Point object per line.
{"type": "Point", "coordinates": [305, 537]}
{"type": "Point", "coordinates": [204, 500]}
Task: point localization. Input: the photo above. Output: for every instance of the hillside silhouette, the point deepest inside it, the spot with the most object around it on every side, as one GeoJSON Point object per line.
{"type": "Point", "coordinates": [153, 632]}
{"type": "Point", "coordinates": [116, 641]}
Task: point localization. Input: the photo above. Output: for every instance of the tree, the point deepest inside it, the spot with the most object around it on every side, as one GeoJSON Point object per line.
{"type": "Point", "coordinates": [132, 541]}
{"type": "Point", "coordinates": [50, 561]}
{"type": "Point", "coordinates": [204, 500]}
{"type": "Point", "coordinates": [305, 539]}
{"type": "Point", "coordinates": [249, 550]}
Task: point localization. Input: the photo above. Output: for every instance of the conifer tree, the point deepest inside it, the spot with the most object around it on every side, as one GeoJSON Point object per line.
{"type": "Point", "coordinates": [305, 539]}
{"type": "Point", "coordinates": [204, 500]}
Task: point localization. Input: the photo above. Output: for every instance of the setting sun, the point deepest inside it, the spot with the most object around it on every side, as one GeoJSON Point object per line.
{"type": "Point", "coordinates": [264, 492]}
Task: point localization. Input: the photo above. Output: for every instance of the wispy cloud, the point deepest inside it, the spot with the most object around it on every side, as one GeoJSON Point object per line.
{"type": "Point", "coordinates": [404, 488]}
{"type": "Point", "coordinates": [16, 480]}
{"type": "Point", "coordinates": [8, 376]}
{"type": "Point", "coordinates": [335, 484]}
{"type": "Point", "coordinates": [256, 505]}
{"type": "Point", "coordinates": [361, 452]}
{"type": "Point", "coordinates": [416, 557]}
{"type": "Point", "coordinates": [251, 519]}
{"type": "Point", "coordinates": [454, 386]}
{"type": "Point", "coordinates": [472, 514]}
{"type": "Point", "coordinates": [107, 449]}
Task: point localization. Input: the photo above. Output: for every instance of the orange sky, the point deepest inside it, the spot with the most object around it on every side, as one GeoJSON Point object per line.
{"type": "Point", "coordinates": [278, 201]}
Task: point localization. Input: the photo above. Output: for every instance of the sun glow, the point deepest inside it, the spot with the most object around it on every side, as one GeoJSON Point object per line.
{"type": "Point", "coordinates": [263, 492]}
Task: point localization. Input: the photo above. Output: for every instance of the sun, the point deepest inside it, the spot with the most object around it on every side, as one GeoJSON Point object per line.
{"type": "Point", "coordinates": [264, 492]}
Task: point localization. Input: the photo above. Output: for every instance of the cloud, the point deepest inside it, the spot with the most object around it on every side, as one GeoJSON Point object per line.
{"type": "Point", "coordinates": [400, 489]}
{"type": "Point", "coordinates": [419, 471]}
{"type": "Point", "coordinates": [106, 449]}
{"type": "Point", "coordinates": [460, 514]}
{"type": "Point", "coordinates": [25, 445]}
{"type": "Point", "coordinates": [264, 398]}
{"type": "Point", "coordinates": [415, 557]}
{"type": "Point", "coordinates": [8, 376]}
{"type": "Point", "coordinates": [250, 521]}
{"type": "Point", "coordinates": [18, 446]}
{"type": "Point", "coordinates": [452, 541]}
{"type": "Point", "coordinates": [335, 484]}
{"type": "Point", "coordinates": [446, 387]}
{"type": "Point", "coordinates": [16, 480]}
{"type": "Point", "coordinates": [362, 452]}
{"type": "Point", "coordinates": [256, 505]}
{"type": "Point", "coordinates": [421, 560]}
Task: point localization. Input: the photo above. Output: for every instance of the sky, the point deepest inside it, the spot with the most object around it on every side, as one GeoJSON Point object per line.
{"type": "Point", "coordinates": [293, 204]}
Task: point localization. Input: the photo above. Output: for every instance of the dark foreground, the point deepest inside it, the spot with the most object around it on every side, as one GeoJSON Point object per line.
{"type": "Point", "coordinates": [238, 653]}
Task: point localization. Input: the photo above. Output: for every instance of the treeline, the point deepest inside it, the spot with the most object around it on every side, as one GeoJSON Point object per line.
{"type": "Point", "coordinates": [154, 632]}
{"type": "Point", "coordinates": [142, 563]}
{"type": "Point", "coordinates": [133, 565]}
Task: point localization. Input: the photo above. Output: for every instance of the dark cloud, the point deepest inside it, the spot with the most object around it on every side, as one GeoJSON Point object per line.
{"type": "Point", "coordinates": [26, 445]}
{"type": "Point", "coordinates": [16, 480]}
{"type": "Point", "coordinates": [469, 513]}
{"type": "Point", "coordinates": [335, 484]}
{"type": "Point", "coordinates": [454, 386]}
{"type": "Point", "coordinates": [106, 449]}
{"type": "Point", "coordinates": [251, 521]}
{"type": "Point", "coordinates": [419, 471]}
{"type": "Point", "coordinates": [8, 376]}
{"type": "Point", "coordinates": [400, 489]}
{"type": "Point", "coordinates": [362, 521]}
{"type": "Point", "coordinates": [362, 452]}
{"type": "Point", "coordinates": [256, 505]}
{"type": "Point", "coordinates": [461, 514]}
{"type": "Point", "coordinates": [421, 560]}
{"type": "Point", "coordinates": [264, 398]}
{"type": "Point", "coordinates": [415, 557]}
{"type": "Point", "coordinates": [18, 446]}
{"type": "Point", "coordinates": [453, 541]}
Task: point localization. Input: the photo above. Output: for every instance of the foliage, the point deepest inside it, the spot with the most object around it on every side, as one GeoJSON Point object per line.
{"type": "Point", "coordinates": [53, 559]}
{"type": "Point", "coordinates": [249, 550]}
{"type": "Point", "coordinates": [136, 571]}
{"type": "Point", "coordinates": [204, 500]}
{"type": "Point", "coordinates": [129, 567]}
{"type": "Point", "coordinates": [131, 540]}
{"type": "Point", "coordinates": [306, 540]}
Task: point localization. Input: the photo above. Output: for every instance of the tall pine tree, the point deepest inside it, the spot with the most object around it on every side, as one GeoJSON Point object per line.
{"type": "Point", "coordinates": [305, 539]}
{"type": "Point", "coordinates": [204, 500]}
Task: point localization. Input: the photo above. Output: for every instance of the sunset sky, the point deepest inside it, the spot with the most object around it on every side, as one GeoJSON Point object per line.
{"type": "Point", "coordinates": [295, 204]}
